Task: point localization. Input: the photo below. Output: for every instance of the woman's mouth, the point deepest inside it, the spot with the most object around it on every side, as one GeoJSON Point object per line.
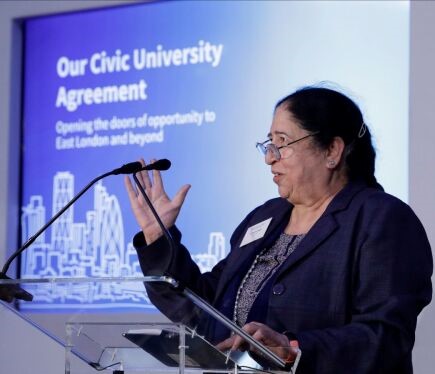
{"type": "Point", "coordinates": [276, 176]}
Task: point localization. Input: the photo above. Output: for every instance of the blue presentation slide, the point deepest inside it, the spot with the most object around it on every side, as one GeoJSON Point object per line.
{"type": "Point", "coordinates": [196, 83]}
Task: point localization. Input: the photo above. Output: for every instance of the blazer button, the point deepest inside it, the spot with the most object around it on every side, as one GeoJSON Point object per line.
{"type": "Point", "coordinates": [278, 289]}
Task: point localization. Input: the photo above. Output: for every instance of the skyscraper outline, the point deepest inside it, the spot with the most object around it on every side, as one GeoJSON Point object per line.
{"type": "Point", "coordinates": [94, 248]}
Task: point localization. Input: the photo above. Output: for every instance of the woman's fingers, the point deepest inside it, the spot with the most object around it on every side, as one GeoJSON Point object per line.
{"type": "Point", "coordinates": [154, 186]}
{"type": "Point", "coordinates": [180, 196]}
{"type": "Point", "coordinates": [157, 179]}
{"type": "Point", "coordinates": [226, 344]}
{"type": "Point", "coordinates": [144, 177]}
{"type": "Point", "coordinates": [259, 332]}
{"type": "Point", "coordinates": [236, 342]}
{"type": "Point", "coordinates": [131, 191]}
{"type": "Point", "coordinates": [167, 209]}
{"type": "Point", "coordinates": [251, 328]}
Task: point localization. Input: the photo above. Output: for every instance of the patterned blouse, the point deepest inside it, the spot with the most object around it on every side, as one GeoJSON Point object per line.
{"type": "Point", "coordinates": [265, 265]}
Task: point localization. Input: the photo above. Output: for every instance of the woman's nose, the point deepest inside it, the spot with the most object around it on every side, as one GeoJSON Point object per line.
{"type": "Point", "coordinates": [270, 157]}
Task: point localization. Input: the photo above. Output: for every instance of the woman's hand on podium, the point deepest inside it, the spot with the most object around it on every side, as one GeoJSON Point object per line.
{"type": "Point", "coordinates": [276, 342]}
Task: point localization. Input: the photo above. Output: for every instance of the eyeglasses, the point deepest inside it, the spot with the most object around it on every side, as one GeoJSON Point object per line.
{"type": "Point", "coordinates": [268, 146]}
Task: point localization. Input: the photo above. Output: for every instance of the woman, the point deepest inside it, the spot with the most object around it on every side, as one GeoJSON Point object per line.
{"type": "Point", "coordinates": [334, 265]}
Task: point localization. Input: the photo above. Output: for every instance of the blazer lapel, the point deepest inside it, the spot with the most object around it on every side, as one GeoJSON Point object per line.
{"type": "Point", "coordinates": [321, 230]}
{"type": "Point", "coordinates": [240, 254]}
{"type": "Point", "coordinates": [280, 214]}
{"type": "Point", "coordinates": [324, 226]}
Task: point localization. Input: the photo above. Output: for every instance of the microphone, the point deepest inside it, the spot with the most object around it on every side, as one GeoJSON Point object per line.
{"type": "Point", "coordinates": [129, 168]}
{"type": "Point", "coordinates": [163, 164]}
{"type": "Point", "coordinates": [14, 291]}
{"type": "Point", "coordinates": [134, 167]}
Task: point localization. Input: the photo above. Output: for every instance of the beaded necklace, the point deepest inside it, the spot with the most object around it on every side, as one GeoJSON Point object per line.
{"type": "Point", "coordinates": [265, 264]}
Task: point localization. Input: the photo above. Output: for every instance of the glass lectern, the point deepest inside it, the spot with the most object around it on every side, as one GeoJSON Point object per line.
{"type": "Point", "coordinates": [130, 342]}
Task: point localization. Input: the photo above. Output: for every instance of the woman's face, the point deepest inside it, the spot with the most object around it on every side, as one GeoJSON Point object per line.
{"type": "Point", "coordinates": [302, 167]}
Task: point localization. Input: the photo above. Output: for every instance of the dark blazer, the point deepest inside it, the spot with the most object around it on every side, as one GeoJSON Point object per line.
{"type": "Point", "coordinates": [350, 292]}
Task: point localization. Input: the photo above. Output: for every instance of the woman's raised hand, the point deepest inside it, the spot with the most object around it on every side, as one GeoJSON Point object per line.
{"type": "Point", "coordinates": [166, 208]}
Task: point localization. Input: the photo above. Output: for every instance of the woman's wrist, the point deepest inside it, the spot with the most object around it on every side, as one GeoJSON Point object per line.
{"type": "Point", "coordinates": [152, 234]}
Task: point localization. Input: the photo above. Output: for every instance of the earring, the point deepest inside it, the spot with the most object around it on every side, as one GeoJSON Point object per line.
{"type": "Point", "coordinates": [331, 163]}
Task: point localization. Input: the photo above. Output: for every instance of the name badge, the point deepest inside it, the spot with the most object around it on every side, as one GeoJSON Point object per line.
{"type": "Point", "coordinates": [255, 232]}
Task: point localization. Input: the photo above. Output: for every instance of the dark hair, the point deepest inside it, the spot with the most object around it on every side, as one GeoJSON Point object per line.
{"type": "Point", "coordinates": [329, 114]}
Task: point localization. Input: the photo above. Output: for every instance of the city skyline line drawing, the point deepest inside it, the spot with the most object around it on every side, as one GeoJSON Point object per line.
{"type": "Point", "coordinates": [95, 248]}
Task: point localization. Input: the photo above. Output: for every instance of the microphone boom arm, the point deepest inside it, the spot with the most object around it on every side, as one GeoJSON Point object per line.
{"type": "Point", "coordinates": [30, 241]}
{"type": "Point", "coordinates": [124, 169]}
{"type": "Point", "coordinates": [8, 293]}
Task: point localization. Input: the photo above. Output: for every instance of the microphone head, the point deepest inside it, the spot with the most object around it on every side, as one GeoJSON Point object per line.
{"type": "Point", "coordinates": [163, 164]}
{"type": "Point", "coordinates": [130, 168]}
